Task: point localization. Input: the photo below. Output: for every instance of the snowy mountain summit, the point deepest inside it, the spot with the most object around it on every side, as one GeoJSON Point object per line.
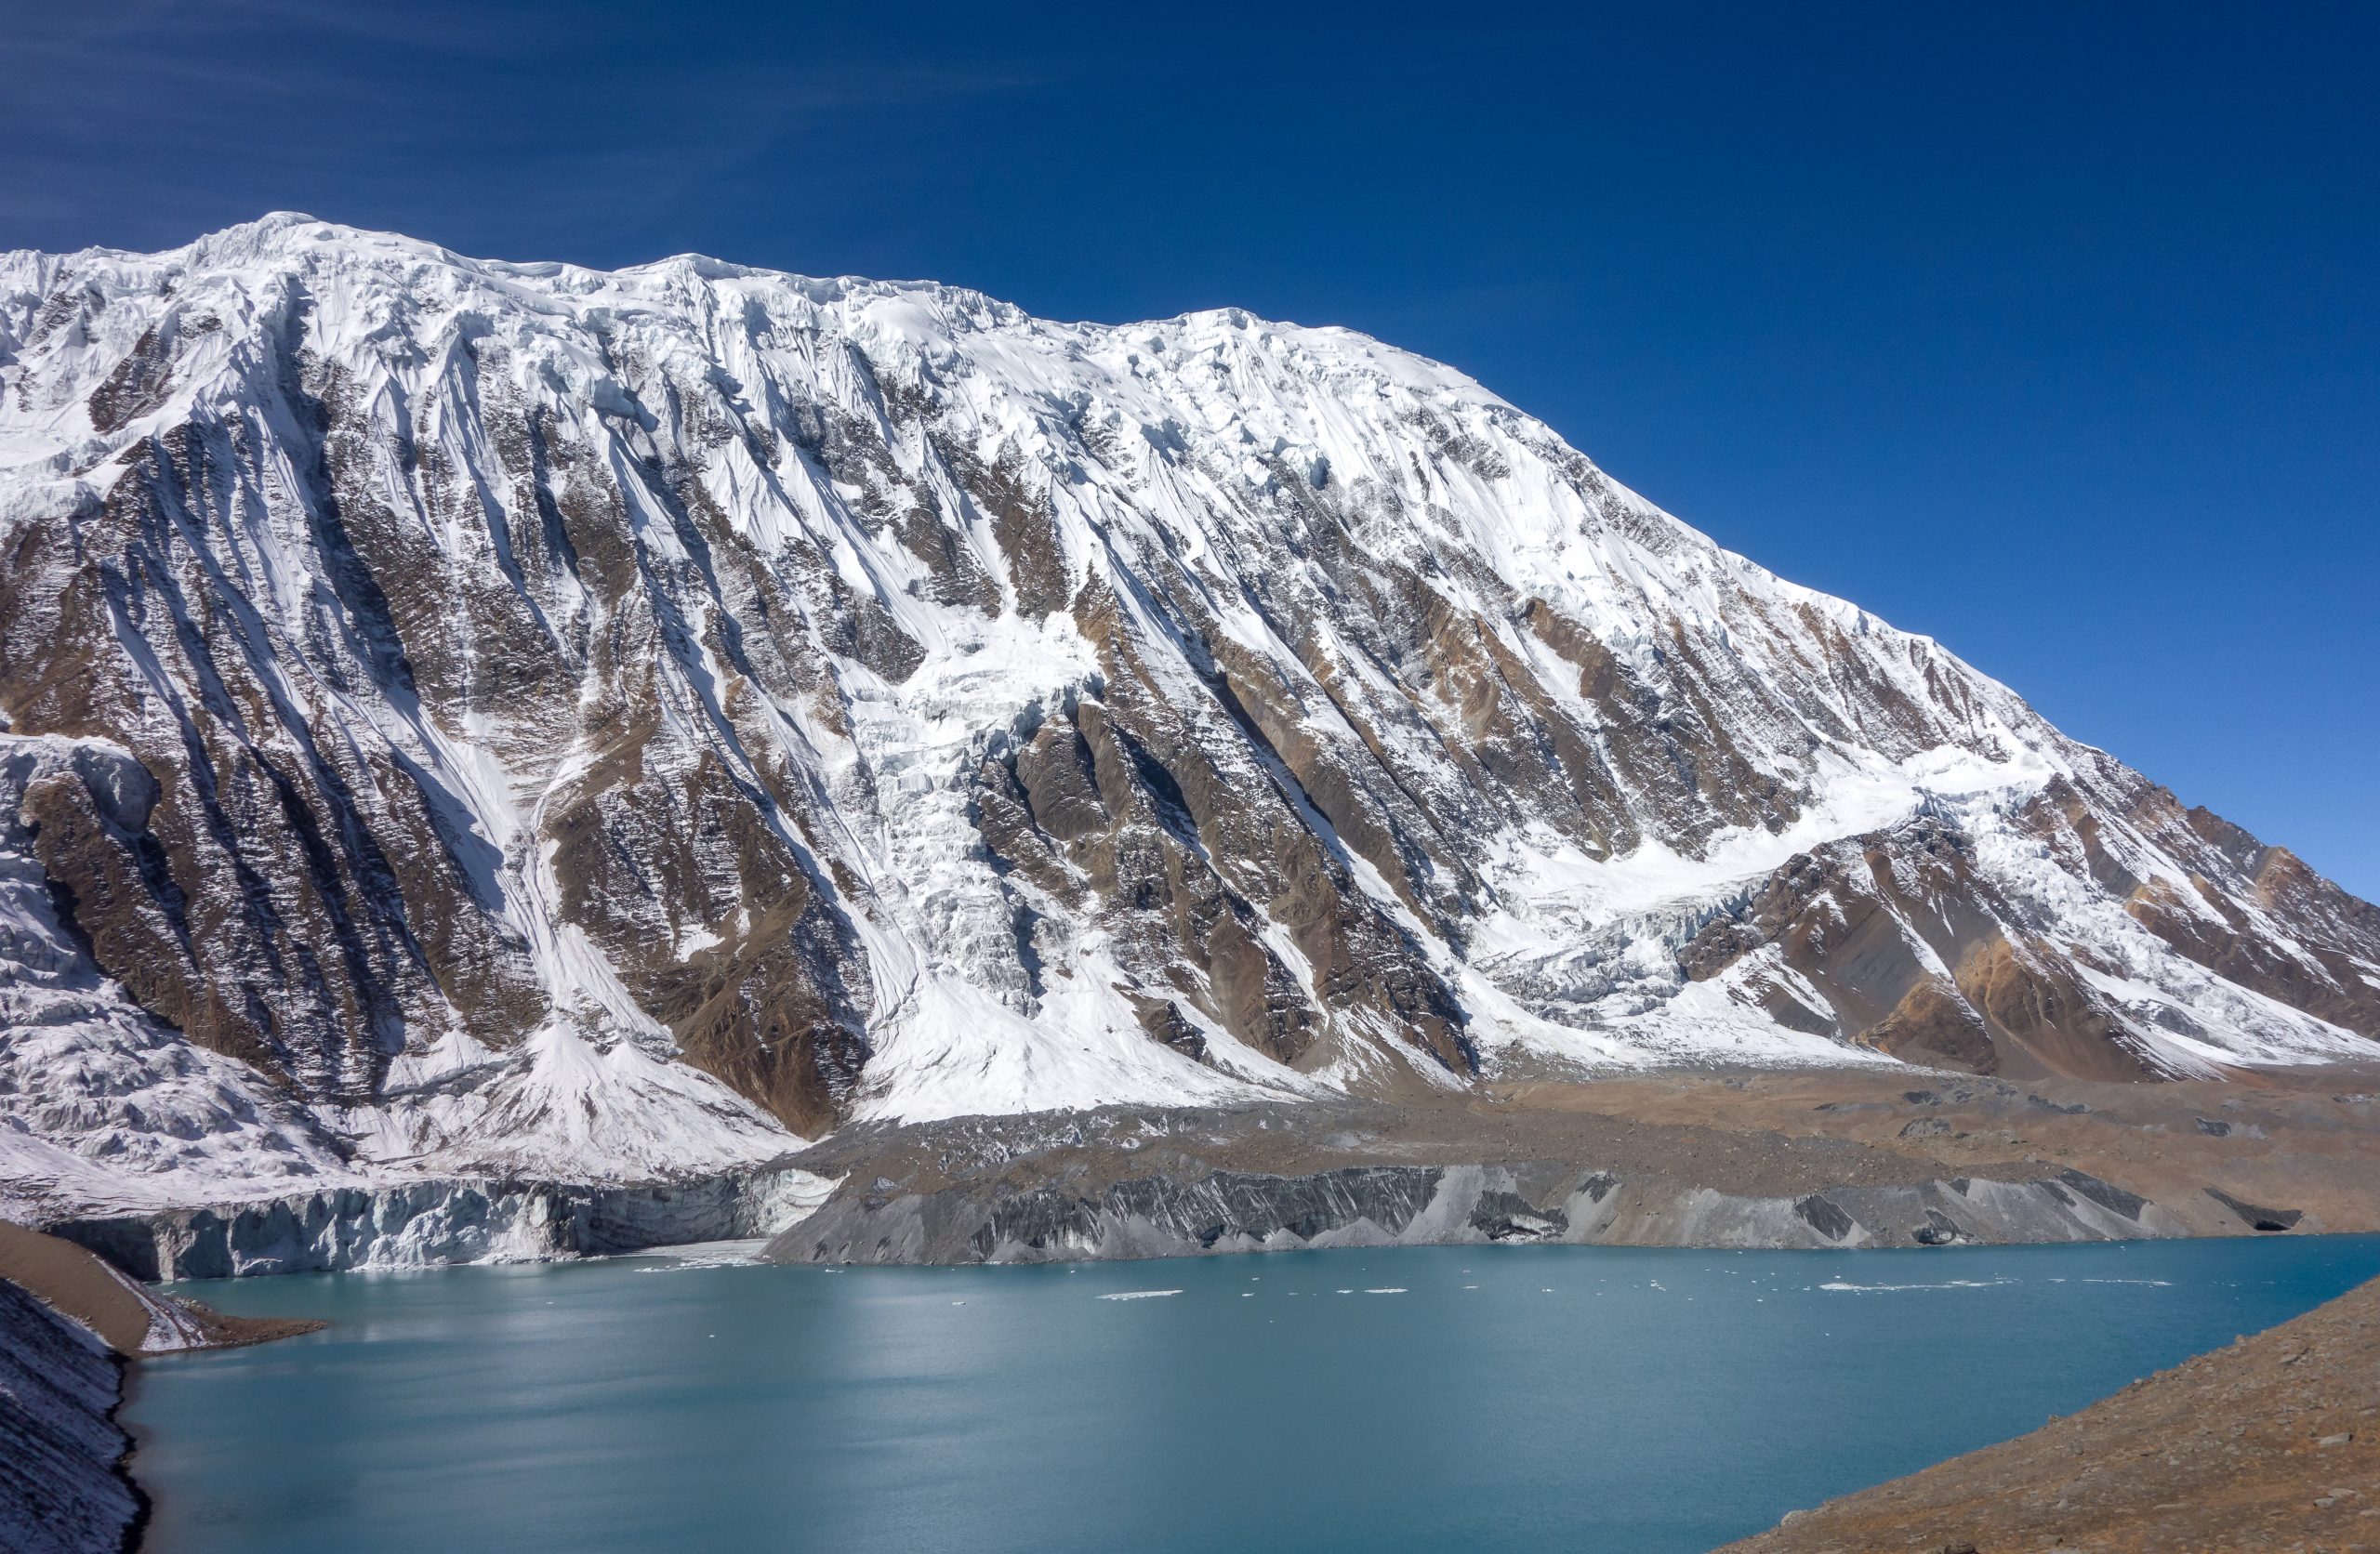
{"type": "Point", "coordinates": [474, 717]}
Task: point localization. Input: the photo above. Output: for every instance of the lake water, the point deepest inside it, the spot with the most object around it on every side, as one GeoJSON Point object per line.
{"type": "Point", "coordinates": [1581, 1399]}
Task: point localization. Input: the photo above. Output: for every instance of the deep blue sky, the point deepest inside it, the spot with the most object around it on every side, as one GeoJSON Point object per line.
{"type": "Point", "coordinates": [2052, 331]}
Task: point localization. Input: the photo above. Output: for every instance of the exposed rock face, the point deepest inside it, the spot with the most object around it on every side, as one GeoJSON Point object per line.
{"type": "Point", "coordinates": [1406, 1205]}
{"type": "Point", "coordinates": [468, 714]}
{"type": "Point", "coordinates": [1128, 1182]}
{"type": "Point", "coordinates": [68, 1322]}
{"type": "Point", "coordinates": [1843, 1158]}
{"type": "Point", "coordinates": [60, 1444]}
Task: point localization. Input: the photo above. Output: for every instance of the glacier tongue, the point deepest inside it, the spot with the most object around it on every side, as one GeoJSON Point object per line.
{"type": "Point", "coordinates": [471, 718]}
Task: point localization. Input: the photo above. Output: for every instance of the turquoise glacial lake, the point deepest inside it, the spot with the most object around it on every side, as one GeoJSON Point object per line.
{"type": "Point", "coordinates": [1581, 1399]}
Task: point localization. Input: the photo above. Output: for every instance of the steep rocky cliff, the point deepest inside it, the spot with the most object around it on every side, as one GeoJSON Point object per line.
{"type": "Point", "coordinates": [481, 718]}
{"type": "Point", "coordinates": [61, 1491]}
{"type": "Point", "coordinates": [68, 1322]}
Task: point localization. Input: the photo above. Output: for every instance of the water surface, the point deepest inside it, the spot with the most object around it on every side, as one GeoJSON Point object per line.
{"type": "Point", "coordinates": [1581, 1399]}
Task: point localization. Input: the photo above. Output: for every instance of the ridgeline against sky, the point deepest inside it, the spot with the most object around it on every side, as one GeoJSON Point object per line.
{"type": "Point", "coordinates": [2048, 332]}
{"type": "Point", "coordinates": [470, 717]}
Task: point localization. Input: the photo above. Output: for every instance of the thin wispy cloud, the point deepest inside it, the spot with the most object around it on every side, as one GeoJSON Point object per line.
{"type": "Point", "coordinates": [171, 111]}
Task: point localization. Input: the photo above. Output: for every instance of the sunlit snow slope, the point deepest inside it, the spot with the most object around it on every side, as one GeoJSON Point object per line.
{"type": "Point", "coordinates": [467, 715]}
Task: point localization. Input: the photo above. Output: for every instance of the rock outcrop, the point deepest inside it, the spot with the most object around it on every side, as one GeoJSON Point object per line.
{"type": "Point", "coordinates": [68, 1322]}
{"type": "Point", "coordinates": [61, 1488]}
{"type": "Point", "coordinates": [1840, 1159]}
{"type": "Point", "coordinates": [1414, 1205]}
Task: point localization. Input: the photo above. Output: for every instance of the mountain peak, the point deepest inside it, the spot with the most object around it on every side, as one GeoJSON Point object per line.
{"type": "Point", "coordinates": [505, 715]}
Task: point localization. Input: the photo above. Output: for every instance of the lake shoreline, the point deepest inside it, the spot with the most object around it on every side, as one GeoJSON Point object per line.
{"type": "Point", "coordinates": [2236, 1448]}
{"type": "Point", "coordinates": [527, 1336]}
{"type": "Point", "coordinates": [1822, 1159]}
{"type": "Point", "coordinates": [1830, 1159]}
{"type": "Point", "coordinates": [76, 1329]}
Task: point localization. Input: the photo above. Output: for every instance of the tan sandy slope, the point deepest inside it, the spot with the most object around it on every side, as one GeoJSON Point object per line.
{"type": "Point", "coordinates": [2271, 1444]}
{"type": "Point", "coordinates": [128, 1317]}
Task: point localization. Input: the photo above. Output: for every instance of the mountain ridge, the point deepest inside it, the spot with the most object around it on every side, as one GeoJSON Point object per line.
{"type": "Point", "coordinates": [464, 716]}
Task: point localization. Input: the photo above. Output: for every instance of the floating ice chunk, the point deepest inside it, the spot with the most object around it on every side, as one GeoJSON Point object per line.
{"type": "Point", "coordinates": [1947, 1284]}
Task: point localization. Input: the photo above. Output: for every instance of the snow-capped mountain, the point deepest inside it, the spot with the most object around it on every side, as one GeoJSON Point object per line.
{"type": "Point", "coordinates": [473, 715]}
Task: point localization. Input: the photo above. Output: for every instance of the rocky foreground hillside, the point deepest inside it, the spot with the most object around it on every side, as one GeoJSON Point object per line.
{"type": "Point", "coordinates": [61, 1487]}
{"type": "Point", "coordinates": [2272, 1443]}
{"type": "Point", "coordinates": [472, 718]}
{"type": "Point", "coordinates": [68, 1322]}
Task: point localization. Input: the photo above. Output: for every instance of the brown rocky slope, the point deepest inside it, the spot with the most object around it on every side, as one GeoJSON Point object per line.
{"type": "Point", "coordinates": [2268, 1446]}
